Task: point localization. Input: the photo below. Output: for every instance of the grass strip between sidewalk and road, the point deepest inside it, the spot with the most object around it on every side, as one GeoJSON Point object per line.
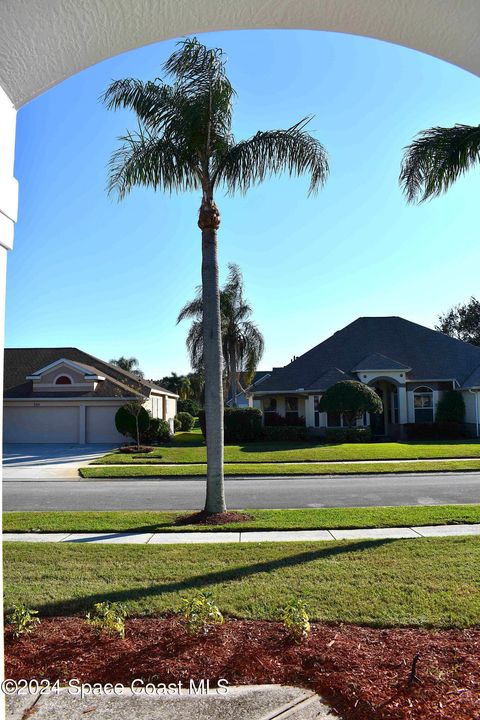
{"type": "Point", "coordinates": [259, 469]}
{"type": "Point", "coordinates": [189, 448]}
{"type": "Point", "coordinates": [302, 519]}
{"type": "Point", "coordinates": [426, 582]}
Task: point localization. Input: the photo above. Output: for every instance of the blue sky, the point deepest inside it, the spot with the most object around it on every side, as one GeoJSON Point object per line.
{"type": "Point", "coordinates": [111, 277]}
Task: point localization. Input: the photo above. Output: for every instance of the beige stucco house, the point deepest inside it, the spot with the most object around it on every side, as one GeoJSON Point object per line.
{"type": "Point", "coordinates": [409, 365]}
{"type": "Point", "coordinates": [64, 395]}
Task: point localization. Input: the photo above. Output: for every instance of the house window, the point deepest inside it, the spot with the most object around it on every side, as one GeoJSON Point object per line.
{"type": "Point", "coordinates": [316, 410]}
{"type": "Point", "coordinates": [423, 404]}
{"type": "Point", "coordinates": [269, 408]}
{"type": "Point", "coordinates": [291, 409]}
{"type": "Point", "coordinates": [63, 380]}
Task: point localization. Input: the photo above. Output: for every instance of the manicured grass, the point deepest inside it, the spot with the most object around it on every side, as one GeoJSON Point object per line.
{"type": "Point", "coordinates": [139, 471]}
{"type": "Point", "coordinates": [304, 519]}
{"type": "Point", "coordinates": [421, 582]}
{"type": "Point", "coordinates": [188, 448]}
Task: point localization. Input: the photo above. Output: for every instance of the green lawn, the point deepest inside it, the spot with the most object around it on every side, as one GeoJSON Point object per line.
{"type": "Point", "coordinates": [310, 468]}
{"type": "Point", "coordinates": [421, 582]}
{"type": "Point", "coordinates": [188, 448]}
{"type": "Point", "coordinates": [305, 519]}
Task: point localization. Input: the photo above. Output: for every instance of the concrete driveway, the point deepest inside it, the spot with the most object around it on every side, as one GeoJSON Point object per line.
{"type": "Point", "coordinates": [28, 462]}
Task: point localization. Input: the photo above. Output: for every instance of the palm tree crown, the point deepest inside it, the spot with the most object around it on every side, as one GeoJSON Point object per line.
{"type": "Point", "coordinates": [131, 365]}
{"type": "Point", "coordinates": [436, 158]}
{"type": "Point", "coordinates": [242, 342]}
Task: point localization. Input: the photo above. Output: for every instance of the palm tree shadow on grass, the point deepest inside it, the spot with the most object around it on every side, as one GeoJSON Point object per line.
{"type": "Point", "coordinates": [199, 582]}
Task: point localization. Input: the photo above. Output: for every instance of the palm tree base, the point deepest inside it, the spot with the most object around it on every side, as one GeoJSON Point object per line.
{"type": "Point", "coordinates": [203, 517]}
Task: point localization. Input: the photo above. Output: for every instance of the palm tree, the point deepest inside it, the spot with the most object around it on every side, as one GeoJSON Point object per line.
{"type": "Point", "coordinates": [242, 342]}
{"type": "Point", "coordinates": [184, 141]}
{"type": "Point", "coordinates": [437, 158]}
{"type": "Point", "coordinates": [131, 365]}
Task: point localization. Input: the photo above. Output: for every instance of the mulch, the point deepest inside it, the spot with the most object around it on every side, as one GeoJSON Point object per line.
{"type": "Point", "coordinates": [365, 673]}
{"type": "Point", "coordinates": [206, 518]}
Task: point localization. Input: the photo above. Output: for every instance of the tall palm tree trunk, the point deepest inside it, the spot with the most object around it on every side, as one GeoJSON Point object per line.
{"type": "Point", "coordinates": [209, 221]}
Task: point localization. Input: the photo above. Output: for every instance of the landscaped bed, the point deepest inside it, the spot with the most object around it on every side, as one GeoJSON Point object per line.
{"type": "Point", "coordinates": [364, 672]}
{"type": "Point", "coordinates": [279, 469]}
{"type": "Point", "coordinates": [189, 448]}
{"type": "Point", "coordinates": [301, 519]}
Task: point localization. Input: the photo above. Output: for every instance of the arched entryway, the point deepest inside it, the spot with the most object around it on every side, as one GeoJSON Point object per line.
{"type": "Point", "coordinates": [45, 42]}
{"type": "Point", "coordinates": [386, 423]}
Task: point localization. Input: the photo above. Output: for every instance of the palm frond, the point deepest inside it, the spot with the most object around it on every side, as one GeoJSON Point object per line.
{"type": "Point", "coordinates": [192, 309]}
{"type": "Point", "coordinates": [152, 161]}
{"type": "Point", "coordinates": [267, 153]}
{"type": "Point", "coordinates": [437, 158]}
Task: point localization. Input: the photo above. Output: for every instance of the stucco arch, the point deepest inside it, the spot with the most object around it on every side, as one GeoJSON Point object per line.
{"type": "Point", "coordinates": [45, 41]}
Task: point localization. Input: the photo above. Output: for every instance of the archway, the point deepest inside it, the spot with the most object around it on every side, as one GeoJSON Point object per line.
{"type": "Point", "coordinates": [45, 42]}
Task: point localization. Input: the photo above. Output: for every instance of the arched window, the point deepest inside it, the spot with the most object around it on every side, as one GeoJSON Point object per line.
{"type": "Point", "coordinates": [423, 404]}
{"type": "Point", "coordinates": [63, 380]}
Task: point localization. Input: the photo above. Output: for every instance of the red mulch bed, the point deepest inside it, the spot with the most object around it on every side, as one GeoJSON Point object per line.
{"type": "Point", "coordinates": [363, 671]}
{"type": "Point", "coordinates": [205, 518]}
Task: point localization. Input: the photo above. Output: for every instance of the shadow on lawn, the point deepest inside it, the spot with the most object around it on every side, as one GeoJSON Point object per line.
{"type": "Point", "coordinates": [198, 582]}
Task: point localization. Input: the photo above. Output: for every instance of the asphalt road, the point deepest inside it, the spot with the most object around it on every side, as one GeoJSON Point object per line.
{"type": "Point", "coordinates": [278, 492]}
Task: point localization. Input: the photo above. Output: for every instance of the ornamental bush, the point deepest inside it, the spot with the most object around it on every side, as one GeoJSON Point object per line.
{"type": "Point", "coordinates": [284, 433]}
{"type": "Point", "coordinates": [158, 431]}
{"type": "Point", "coordinates": [186, 421]}
{"type": "Point", "coordinates": [125, 421]}
{"type": "Point", "coordinates": [348, 435]}
{"type": "Point", "coordinates": [435, 431]}
{"type": "Point", "coordinates": [351, 398]}
{"type": "Point", "coordinates": [240, 425]}
{"type": "Point", "coordinates": [451, 408]}
{"type": "Point", "coordinates": [190, 406]}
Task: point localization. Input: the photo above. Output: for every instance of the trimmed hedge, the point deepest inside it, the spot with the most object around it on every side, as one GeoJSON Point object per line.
{"type": "Point", "coordinates": [158, 431]}
{"type": "Point", "coordinates": [450, 408]}
{"type": "Point", "coordinates": [284, 433]}
{"type": "Point", "coordinates": [186, 421]}
{"type": "Point", "coordinates": [349, 435]}
{"type": "Point", "coordinates": [126, 424]}
{"type": "Point", "coordinates": [273, 419]}
{"type": "Point", "coordinates": [435, 431]}
{"type": "Point", "coordinates": [240, 425]}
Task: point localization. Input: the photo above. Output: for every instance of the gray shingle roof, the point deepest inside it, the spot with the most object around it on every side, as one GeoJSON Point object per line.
{"type": "Point", "coordinates": [473, 381]}
{"type": "Point", "coordinates": [20, 362]}
{"type": "Point", "coordinates": [375, 361]}
{"type": "Point", "coordinates": [431, 355]}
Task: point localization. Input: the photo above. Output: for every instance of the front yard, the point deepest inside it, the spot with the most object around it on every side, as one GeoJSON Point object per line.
{"type": "Point", "coordinates": [189, 448]}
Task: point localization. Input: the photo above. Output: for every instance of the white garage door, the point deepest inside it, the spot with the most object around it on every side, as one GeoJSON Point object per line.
{"type": "Point", "coordinates": [101, 425]}
{"type": "Point", "coordinates": [41, 424]}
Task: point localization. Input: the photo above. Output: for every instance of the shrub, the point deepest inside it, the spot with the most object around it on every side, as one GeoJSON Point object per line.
{"type": "Point", "coordinates": [434, 431]}
{"type": "Point", "coordinates": [186, 421]}
{"type": "Point", "coordinates": [126, 423]}
{"type": "Point", "coordinates": [201, 613]}
{"type": "Point", "coordinates": [108, 617]}
{"type": "Point", "coordinates": [351, 398]}
{"type": "Point", "coordinates": [285, 433]}
{"type": "Point", "coordinates": [22, 619]}
{"type": "Point", "coordinates": [450, 408]}
{"type": "Point", "coordinates": [273, 419]}
{"type": "Point", "coordinates": [177, 426]}
{"type": "Point", "coordinates": [190, 406]}
{"type": "Point", "coordinates": [158, 431]}
{"type": "Point", "coordinates": [296, 620]}
{"type": "Point", "coordinates": [349, 435]}
{"type": "Point", "coordinates": [240, 424]}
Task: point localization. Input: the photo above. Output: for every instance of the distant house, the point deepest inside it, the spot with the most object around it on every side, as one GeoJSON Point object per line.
{"type": "Point", "coordinates": [241, 399]}
{"type": "Point", "coordinates": [65, 395]}
{"type": "Point", "coordinates": [410, 367]}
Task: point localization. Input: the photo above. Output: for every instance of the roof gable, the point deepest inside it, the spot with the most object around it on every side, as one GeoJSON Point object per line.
{"type": "Point", "coordinates": [376, 361]}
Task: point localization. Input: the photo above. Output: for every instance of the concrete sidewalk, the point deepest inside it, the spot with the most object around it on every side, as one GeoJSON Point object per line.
{"type": "Point", "coordinates": [175, 538]}
{"type": "Point", "coordinates": [251, 702]}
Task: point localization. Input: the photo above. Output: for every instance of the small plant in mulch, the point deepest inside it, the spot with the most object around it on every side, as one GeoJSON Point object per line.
{"type": "Point", "coordinates": [296, 620]}
{"type": "Point", "coordinates": [127, 449]}
{"type": "Point", "coordinates": [205, 518]}
{"type": "Point", "coordinates": [22, 620]}
{"type": "Point", "coordinates": [109, 618]}
{"type": "Point", "coordinates": [201, 613]}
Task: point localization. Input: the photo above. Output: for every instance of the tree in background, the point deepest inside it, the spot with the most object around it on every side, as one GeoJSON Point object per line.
{"type": "Point", "coordinates": [131, 365]}
{"type": "Point", "coordinates": [242, 341]}
{"type": "Point", "coordinates": [436, 158]}
{"type": "Point", "coordinates": [351, 398]}
{"type": "Point", "coordinates": [184, 142]}
{"type": "Point", "coordinates": [462, 322]}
